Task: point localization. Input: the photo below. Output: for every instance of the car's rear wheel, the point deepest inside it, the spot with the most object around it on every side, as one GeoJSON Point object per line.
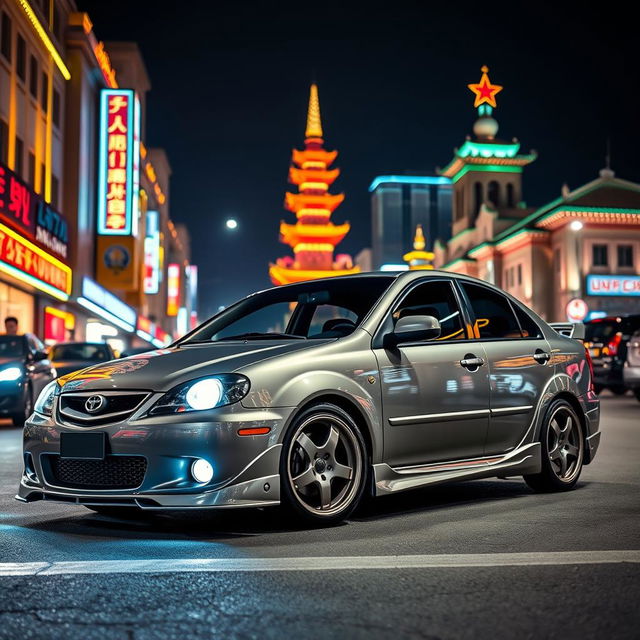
{"type": "Point", "coordinates": [562, 443]}
{"type": "Point", "coordinates": [20, 418]}
{"type": "Point", "coordinates": [324, 465]}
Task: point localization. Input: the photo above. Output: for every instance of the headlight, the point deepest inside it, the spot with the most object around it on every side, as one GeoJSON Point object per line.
{"type": "Point", "coordinates": [202, 394]}
{"type": "Point", "coordinates": [44, 403]}
{"type": "Point", "coordinates": [10, 374]}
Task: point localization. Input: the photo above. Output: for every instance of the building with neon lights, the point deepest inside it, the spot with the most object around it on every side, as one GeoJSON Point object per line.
{"type": "Point", "coordinates": [584, 246]}
{"type": "Point", "coordinates": [313, 237]}
{"type": "Point", "coordinates": [399, 203]}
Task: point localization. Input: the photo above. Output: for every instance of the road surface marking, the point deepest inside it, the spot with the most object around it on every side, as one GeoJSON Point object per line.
{"type": "Point", "coordinates": [552, 558]}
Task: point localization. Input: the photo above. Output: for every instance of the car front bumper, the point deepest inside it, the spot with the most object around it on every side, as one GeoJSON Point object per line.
{"type": "Point", "coordinates": [246, 468]}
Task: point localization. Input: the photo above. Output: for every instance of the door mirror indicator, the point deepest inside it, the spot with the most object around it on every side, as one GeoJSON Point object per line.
{"type": "Point", "coordinates": [413, 329]}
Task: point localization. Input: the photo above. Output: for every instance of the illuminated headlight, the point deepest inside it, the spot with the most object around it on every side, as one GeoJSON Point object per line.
{"type": "Point", "coordinates": [10, 374]}
{"type": "Point", "coordinates": [202, 394]}
{"type": "Point", "coordinates": [44, 403]}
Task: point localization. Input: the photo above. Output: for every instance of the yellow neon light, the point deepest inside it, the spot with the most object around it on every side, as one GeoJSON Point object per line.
{"type": "Point", "coordinates": [313, 164]}
{"type": "Point", "coordinates": [314, 126]}
{"type": "Point", "coordinates": [316, 186]}
{"type": "Point", "coordinates": [313, 246]}
{"type": "Point", "coordinates": [66, 74]}
{"type": "Point", "coordinates": [320, 213]}
{"type": "Point", "coordinates": [69, 318]}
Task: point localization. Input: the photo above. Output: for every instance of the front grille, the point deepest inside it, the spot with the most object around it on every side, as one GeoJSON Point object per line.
{"type": "Point", "coordinates": [114, 472]}
{"type": "Point", "coordinates": [116, 406]}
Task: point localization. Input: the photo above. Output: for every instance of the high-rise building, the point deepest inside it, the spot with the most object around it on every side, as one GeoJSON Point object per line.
{"type": "Point", "coordinates": [399, 203]}
{"type": "Point", "coordinates": [314, 237]}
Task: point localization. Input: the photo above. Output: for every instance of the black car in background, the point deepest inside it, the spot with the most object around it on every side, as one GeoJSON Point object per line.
{"type": "Point", "coordinates": [608, 342]}
{"type": "Point", "coordinates": [24, 371]}
{"type": "Point", "coordinates": [68, 357]}
{"type": "Point", "coordinates": [631, 369]}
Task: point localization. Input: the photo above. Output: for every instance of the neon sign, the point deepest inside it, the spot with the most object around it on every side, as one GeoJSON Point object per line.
{"type": "Point", "coordinates": [613, 285]}
{"type": "Point", "coordinates": [119, 162]}
{"type": "Point", "coordinates": [151, 279]}
{"type": "Point", "coordinates": [31, 264]}
{"type": "Point", "coordinates": [173, 289]}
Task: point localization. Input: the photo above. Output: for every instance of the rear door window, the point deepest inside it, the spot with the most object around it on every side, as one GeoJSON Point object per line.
{"type": "Point", "coordinates": [494, 317]}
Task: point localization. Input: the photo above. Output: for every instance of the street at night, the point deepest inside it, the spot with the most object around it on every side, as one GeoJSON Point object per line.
{"type": "Point", "coordinates": [249, 574]}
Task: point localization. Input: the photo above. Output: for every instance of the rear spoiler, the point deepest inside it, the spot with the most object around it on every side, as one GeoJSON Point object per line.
{"type": "Point", "coordinates": [575, 330]}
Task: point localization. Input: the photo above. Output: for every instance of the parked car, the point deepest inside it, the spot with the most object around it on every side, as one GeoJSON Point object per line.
{"type": "Point", "coordinates": [631, 369]}
{"type": "Point", "coordinates": [68, 357]}
{"type": "Point", "coordinates": [24, 371]}
{"type": "Point", "coordinates": [134, 351]}
{"type": "Point", "coordinates": [312, 394]}
{"type": "Point", "coordinates": [607, 340]}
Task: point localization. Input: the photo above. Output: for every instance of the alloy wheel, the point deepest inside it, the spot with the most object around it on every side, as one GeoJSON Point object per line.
{"type": "Point", "coordinates": [565, 445]}
{"type": "Point", "coordinates": [324, 464]}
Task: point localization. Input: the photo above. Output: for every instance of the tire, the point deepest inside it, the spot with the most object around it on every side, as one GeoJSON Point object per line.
{"type": "Point", "coordinates": [562, 450]}
{"type": "Point", "coordinates": [618, 391]}
{"type": "Point", "coordinates": [324, 466]}
{"type": "Point", "coordinates": [636, 393]}
{"type": "Point", "coordinates": [20, 418]}
{"type": "Point", "coordinates": [598, 388]}
{"type": "Point", "coordinates": [122, 513]}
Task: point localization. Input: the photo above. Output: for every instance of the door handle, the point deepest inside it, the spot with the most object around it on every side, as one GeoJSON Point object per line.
{"type": "Point", "coordinates": [471, 362]}
{"type": "Point", "coordinates": [541, 356]}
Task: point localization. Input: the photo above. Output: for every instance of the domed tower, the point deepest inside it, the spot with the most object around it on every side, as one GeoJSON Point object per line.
{"type": "Point", "coordinates": [486, 170]}
{"type": "Point", "coordinates": [314, 237]}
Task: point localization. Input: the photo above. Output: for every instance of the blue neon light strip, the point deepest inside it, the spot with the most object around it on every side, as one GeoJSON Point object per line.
{"type": "Point", "coordinates": [437, 180]}
{"type": "Point", "coordinates": [103, 157]}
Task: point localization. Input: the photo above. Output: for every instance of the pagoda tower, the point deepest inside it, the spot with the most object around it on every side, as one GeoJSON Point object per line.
{"type": "Point", "coordinates": [314, 237]}
{"type": "Point", "coordinates": [419, 258]}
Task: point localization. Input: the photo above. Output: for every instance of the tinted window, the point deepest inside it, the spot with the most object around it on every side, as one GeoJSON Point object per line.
{"type": "Point", "coordinates": [438, 300]}
{"type": "Point", "coordinates": [530, 329]}
{"type": "Point", "coordinates": [33, 77]}
{"type": "Point", "coordinates": [21, 58]}
{"type": "Point", "coordinates": [12, 346]}
{"type": "Point", "coordinates": [600, 255]}
{"type": "Point", "coordinates": [625, 255]}
{"type": "Point", "coordinates": [5, 36]}
{"type": "Point", "coordinates": [493, 315]}
{"type": "Point", "coordinates": [328, 318]}
{"type": "Point", "coordinates": [80, 351]}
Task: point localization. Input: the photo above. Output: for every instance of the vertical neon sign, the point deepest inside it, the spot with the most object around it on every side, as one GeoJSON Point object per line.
{"type": "Point", "coordinates": [173, 289]}
{"type": "Point", "coordinates": [151, 281]}
{"type": "Point", "coordinates": [118, 166]}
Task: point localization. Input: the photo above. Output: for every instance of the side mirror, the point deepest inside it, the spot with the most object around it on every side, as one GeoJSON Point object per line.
{"type": "Point", "coordinates": [414, 329]}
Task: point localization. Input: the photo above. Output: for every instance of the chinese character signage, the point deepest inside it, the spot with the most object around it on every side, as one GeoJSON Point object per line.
{"type": "Point", "coordinates": [26, 212]}
{"type": "Point", "coordinates": [118, 179]}
{"type": "Point", "coordinates": [173, 289]}
{"type": "Point", "coordinates": [613, 285]}
{"type": "Point", "coordinates": [151, 280]}
{"type": "Point", "coordinates": [30, 264]}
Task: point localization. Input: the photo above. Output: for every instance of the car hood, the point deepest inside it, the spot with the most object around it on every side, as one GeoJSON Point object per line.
{"type": "Point", "coordinates": [63, 367]}
{"type": "Point", "coordinates": [162, 369]}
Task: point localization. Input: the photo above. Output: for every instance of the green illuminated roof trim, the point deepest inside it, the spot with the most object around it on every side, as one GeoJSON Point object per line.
{"type": "Point", "coordinates": [496, 168]}
{"type": "Point", "coordinates": [461, 233]}
{"type": "Point", "coordinates": [488, 150]}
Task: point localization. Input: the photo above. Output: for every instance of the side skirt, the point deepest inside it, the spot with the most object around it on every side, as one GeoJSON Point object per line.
{"type": "Point", "coordinates": [524, 460]}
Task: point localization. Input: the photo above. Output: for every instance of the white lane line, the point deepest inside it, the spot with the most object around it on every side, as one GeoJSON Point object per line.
{"type": "Point", "coordinates": [553, 558]}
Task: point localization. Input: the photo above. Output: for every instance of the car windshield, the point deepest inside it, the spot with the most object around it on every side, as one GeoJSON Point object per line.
{"type": "Point", "coordinates": [311, 310]}
{"type": "Point", "coordinates": [12, 346]}
{"type": "Point", "coordinates": [80, 351]}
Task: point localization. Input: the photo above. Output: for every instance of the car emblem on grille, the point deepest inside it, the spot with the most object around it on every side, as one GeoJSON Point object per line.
{"type": "Point", "coordinates": [94, 404]}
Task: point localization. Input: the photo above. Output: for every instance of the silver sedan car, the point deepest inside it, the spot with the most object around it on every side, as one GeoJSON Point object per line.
{"type": "Point", "coordinates": [316, 394]}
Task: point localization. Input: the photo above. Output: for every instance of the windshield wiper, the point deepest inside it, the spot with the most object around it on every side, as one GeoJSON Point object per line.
{"type": "Point", "coordinates": [261, 336]}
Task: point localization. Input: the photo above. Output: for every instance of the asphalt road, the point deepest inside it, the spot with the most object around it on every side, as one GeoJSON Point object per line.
{"type": "Point", "coordinates": [252, 574]}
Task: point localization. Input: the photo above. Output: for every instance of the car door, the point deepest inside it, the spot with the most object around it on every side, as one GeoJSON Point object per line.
{"type": "Point", "coordinates": [519, 363]}
{"type": "Point", "coordinates": [435, 402]}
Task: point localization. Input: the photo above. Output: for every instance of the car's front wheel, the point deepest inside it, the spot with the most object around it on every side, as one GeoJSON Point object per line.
{"type": "Point", "coordinates": [324, 466]}
{"type": "Point", "coordinates": [562, 450]}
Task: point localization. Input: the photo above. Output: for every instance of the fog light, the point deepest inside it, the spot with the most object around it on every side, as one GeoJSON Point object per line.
{"type": "Point", "coordinates": [201, 470]}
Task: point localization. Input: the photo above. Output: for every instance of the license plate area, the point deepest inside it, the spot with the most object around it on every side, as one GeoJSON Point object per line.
{"type": "Point", "coordinates": [85, 446]}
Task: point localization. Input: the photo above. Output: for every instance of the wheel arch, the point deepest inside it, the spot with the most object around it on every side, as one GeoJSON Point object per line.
{"type": "Point", "coordinates": [350, 406]}
{"type": "Point", "coordinates": [572, 400]}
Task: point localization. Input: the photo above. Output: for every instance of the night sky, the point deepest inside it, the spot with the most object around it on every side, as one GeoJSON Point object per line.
{"type": "Point", "coordinates": [230, 84]}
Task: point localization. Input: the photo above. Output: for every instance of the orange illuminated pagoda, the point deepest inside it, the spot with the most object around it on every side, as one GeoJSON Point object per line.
{"type": "Point", "coordinates": [314, 237]}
